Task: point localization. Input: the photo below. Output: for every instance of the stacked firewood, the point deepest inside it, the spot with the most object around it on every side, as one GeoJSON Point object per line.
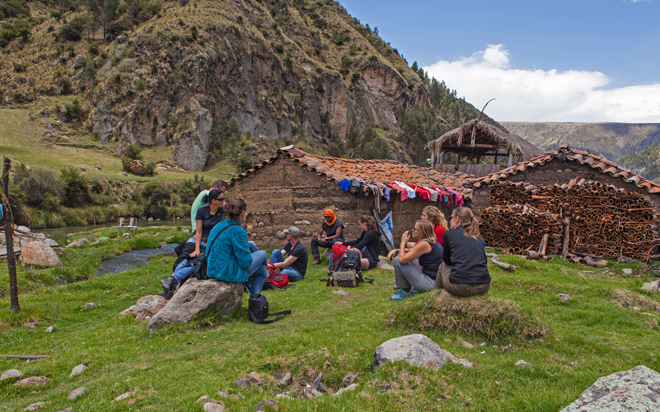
{"type": "Point", "coordinates": [600, 219]}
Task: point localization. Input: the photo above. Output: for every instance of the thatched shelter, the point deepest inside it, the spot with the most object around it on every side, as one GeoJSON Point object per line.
{"type": "Point", "coordinates": [476, 140]}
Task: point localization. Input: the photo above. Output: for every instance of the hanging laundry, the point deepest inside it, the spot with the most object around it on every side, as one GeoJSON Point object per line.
{"type": "Point", "coordinates": [386, 190]}
{"type": "Point", "coordinates": [378, 193]}
{"type": "Point", "coordinates": [409, 190]}
{"type": "Point", "coordinates": [344, 184]}
{"type": "Point", "coordinates": [404, 192]}
{"type": "Point", "coordinates": [459, 198]}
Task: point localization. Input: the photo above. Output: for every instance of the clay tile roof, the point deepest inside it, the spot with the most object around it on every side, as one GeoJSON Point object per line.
{"type": "Point", "coordinates": [579, 156]}
{"type": "Point", "coordinates": [365, 171]}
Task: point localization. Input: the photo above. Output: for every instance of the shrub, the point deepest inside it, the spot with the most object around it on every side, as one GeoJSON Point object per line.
{"type": "Point", "coordinates": [125, 163]}
{"type": "Point", "coordinates": [15, 8]}
{"type": "Point", "coordinates": [150, 168]}
{"type": "Point", "coordinates": [342, 38]}
{"type": "Point", "coordinates": [11, 31]}
{"type": "Point", "coordinates": [36, 187]}
{"type": "Point", "coordinates": [20, 67]}
{"type": "Point", "coordinates": [492, 318]}
{"type": "Point", "coordinates": [244, 163]}
{"type": "Point", "coordinates": [73, 111]}
{"type": "Point", "coordinates": [133, 151]}
{"type": "Point", "coordinates": [93, 48]}
{"type": "Point", "coordinates": [73, 30]}
{"type": "Point", "coordinates": [277, 47]}
{"type": "Point", "coordinates": [157, 198]}
{"type": "Point", "coordinates": [90, 69]}
{"type": "Point", "coordinates": [76, 188]}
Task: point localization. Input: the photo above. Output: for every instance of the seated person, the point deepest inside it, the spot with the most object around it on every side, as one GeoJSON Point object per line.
{"type": "Point", "coordinates": [295, 264]}
{"type": "Point", "coordinates": [334, 232]}
{"type": "Point", "coordinates": [464, 270]}
{"type": "Point", "coordinates": [207, 218]}
{"type": "Point", "coordinates": [416, 270]}
{"type": "Point", "coordinates": [203, 200]}
{"type": "Point", "coordinates": [367, 245]}
{"type": "Point", "coordinates": [229, 258]}
{"type": "Point", "coordinates": [435, 216]}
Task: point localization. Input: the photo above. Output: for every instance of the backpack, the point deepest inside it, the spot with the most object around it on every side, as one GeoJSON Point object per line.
{"type": "Point", "coordinates": [276, 279]}
{"type": "Point", "coordinates": [337, 252]}
{"type": "Point", "coordinates": [200, 260]}
{"type": "Point", "coordinates": [348, 272]}
{"type": "Point", "coordinates": [258, 310]}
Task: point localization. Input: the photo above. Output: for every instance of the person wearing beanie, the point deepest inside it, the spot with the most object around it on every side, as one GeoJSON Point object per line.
{"type": "Point", "coordinates": [334, 232]}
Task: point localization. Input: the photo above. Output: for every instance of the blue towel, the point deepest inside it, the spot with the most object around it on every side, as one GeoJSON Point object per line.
{"type": "Point", "coordinates": [344, 184]}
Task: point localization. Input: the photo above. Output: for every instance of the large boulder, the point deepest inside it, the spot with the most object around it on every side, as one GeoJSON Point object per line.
{"type": "Point", "coordinates": [37, 253]}
{"type": "Point", "coordinates": [635, 390]}
{"type": "Point", "coordinates": [417, 350]}
{"type": "Point", "coordinates": [146, 307]}
{"type": "Point", "coordinates": [198, 296]}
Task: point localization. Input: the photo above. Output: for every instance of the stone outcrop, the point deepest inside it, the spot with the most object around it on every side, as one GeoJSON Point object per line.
{"type": "Point", "coordinates": [199, 296]}
{"type": "Point", "coordinates": [146, 307]}
{"type": "Point", "coordinates": [37, 253]}
{"type": "Point", "coordinates": [637, 389]}
{"type": "Point", "coordinates": [417, 350]}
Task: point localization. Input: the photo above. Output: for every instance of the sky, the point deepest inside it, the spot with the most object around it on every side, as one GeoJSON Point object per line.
{"type": "Point", "coordinates": [543, 61]}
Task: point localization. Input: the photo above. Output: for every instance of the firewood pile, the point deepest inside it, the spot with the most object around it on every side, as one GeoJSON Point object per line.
{"type": "Point", "coordinates": [597, 219]}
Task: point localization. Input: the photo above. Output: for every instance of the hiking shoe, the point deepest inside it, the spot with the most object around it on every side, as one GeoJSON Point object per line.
{"type": "Point", "coordinates": [401, 295]}
{"type": "Point", "coordinates": [169, 284]}
{"type": "Point", "coordinates": [317, 261]}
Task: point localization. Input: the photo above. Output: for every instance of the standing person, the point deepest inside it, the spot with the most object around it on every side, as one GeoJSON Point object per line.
{"type": "Point", "coordinates": [464, 270]}
{"type": "Point", "coordinates": [295, 264]}
{"type": "Point", "coordinates": [206, 219]}
{"type": "Point", "coordinates": [415, 270]}
{"type": "Point", "coordinates": [229, 258]}
{"type": "Point", "coordinates": [367, 245]}
{"type": "Point", "coordinates": [200, 202]}
{"type": "Point", "coordinates": [334, 232]}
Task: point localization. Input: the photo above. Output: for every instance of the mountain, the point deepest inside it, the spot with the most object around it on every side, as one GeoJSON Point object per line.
{"type": "Point", "coordinates": [609, 140]}
{"type": "Point", "coordinates": [227, 76]}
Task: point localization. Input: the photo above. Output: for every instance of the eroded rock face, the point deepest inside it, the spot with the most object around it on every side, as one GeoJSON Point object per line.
{"type": "Point", "coordinates": [637, 389]}
{"type": "Point", "coordinates": [37, 253]}
{"type": "Point", "coordinates": [417, 350]}
{"type": "Point", "coordinates": [199, 296]}
{"type": "Point", "coordinates": [146, 307]}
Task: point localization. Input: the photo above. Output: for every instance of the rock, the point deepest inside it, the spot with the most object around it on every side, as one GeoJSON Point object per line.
{"type": "Point", "coordinates": [197, 296]}
{"type": "Point", "coordinates": [309, 393]}
{"type": "Point", "coordinates": [282, 396]}
{"type": "Point", "coordinates": [78, 242]}
{"type": "Point", "coordinates": [346, 389]}
{"type": "Point", "coordinates": [340, 292]}
{"type": "Point", "coordinates": [243, 383]}
{"type": "Point", "coordinates": [267, 405]}
{"type": "Point", "coordinates": [467, 345]}
{"type": "Point", "coordinates": [146, 307]}
{"type": "Point", "coordinates": [49, 242]}
{"type": "Point", "coordinates": [224, 394]}
{"type": "Point", "coordinates": [138, 167]}
{"type": "Point", "coordinates": [285, 381]}
{"type": "Point", "coordinates": [349, 379]}
{"type": "Point", "coordinates": [98, 167]}
{"type": "Point", "coordinates": [563, 297]}
{"type": "Point", "coordinates": [122, 39]}
{"type": "Point", "coordinates": [214, 407]}
{"type": "Point", "coordinates": [34, 406]}
{"type": "Point", "coordinates": [89, 306]}
{"type": "Point", "coordinates": [78, 370]}
{"type": "Point", "coordinates": [305, 222]}
{"type": "Point", "coordinates": [66, 410]}
{"type": "Point", "coordinates": [203, 399]}
{"type": "Point", "coordinates": [37, 253]}
{"type": "Point", "coordinates": [260, 224]}
{"type": "Point", "coordinates": [383, 264]}
{"type": "Point", "coordinates": [83, 168]}
{"type": "Point", "coordinates": [651, 287]}
{"type": "Point", "coordinates": [254, 377]}
{"type": "Point", "coordinates": [151, 219]}
{"type": "Point", "coordinates": [632, 390]}
{"type": "Point", "coordinates": [317, 381]}
{"type": "Point", "coordinates": [280, 235]}
{"type": "Point", "coordinates": [77, 392]}
{"type": "Point", "coordinates": [417, 350]}
{"type": "Point", "coordinates": [127, 235]}
{"type": "Point", "coordinates": [627, 271]}
{"type": "Point", "coordinates": [11, 374]}
{"type": "Point", "coordinates": [34, 381]}
{"type": "Point", "coordinates": [125, 395]}
{"type": "Point", "coordinates": [522, 364]}
{"type": "Point", "coordinates": [163, 244]}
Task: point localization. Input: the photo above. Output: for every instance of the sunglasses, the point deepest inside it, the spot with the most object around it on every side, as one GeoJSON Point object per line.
{"type": "Point", "coordinates": [220, 199]}
{"type": "Point", "coordinates": [413, 229]}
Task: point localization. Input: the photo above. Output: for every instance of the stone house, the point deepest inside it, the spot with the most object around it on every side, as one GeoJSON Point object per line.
{"type": "Point", "coordinates": [293, 188]}
{"type": "Point", "coordinates": [559, 168]}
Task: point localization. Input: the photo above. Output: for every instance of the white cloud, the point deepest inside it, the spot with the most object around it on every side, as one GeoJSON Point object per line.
{"type": "Point", "coordinates": [539, 95]}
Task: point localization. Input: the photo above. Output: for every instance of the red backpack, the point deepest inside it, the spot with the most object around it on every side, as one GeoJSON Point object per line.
{"type": "Point", "coordinates": [276, 279]}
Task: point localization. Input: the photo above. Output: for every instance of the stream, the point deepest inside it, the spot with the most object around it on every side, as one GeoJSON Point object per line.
{"type": "Point", "coordinates": [133, 259]}
{"type": "Point", "coordinates": [185, 223]}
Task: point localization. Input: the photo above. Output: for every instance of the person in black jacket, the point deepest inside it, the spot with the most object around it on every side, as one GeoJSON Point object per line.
{"type": "Point", "coordinates": [367, 245]}
{"type": "Point", "coordinates": [464, 270]}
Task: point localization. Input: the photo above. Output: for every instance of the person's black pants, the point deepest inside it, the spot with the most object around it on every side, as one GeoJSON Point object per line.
{"type": "Point", "coordinates": [315, 246]}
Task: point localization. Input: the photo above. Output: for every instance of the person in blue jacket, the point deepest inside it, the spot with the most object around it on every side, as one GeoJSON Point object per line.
{"type": "Point", "coordinates": [228, 257]}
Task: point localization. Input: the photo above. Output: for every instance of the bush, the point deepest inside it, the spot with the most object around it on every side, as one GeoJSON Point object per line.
{"type": "Point", "coordinates": [76, 188]}
{"type": "Point", "coordinates": [37, 188]}
{"type": "Point", "coordinates": [342, 38]}
{"type": "Point", "coordinates": [157, 198]}
{"type": "Point", "coordinates": [133, 151]}
{"type": "Point", "coordinates": [125, 164]}
{"type": "Point", "coordinates": [244, 163]}
{"type": "Point", "coordinates": [94, 49]}
{"type": "Point", "coordinates": [73, 30]}
{"type": "Point", "coordinates": [73, 111]}
{"type": "Point", "coordinates": [489, 317]}
{"type": "Point", "coordinates": [11, 31]}
{"type": "Point", "coordinates": [15, 8]}
{"type": "Point", "coordinates": [20, 67]}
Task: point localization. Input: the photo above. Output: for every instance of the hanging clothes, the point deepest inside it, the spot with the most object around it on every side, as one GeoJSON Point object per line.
{"type": "Point", "coordinates": [386, 190]}
{"type": "Point", "coordinates": [404, 192]}
{"type": "Point", "coordinates": [378, 193]}
{"type": "Point", "coordinates": [445, 195]}
{"type": "Point", "coordinates": [434, 194]}
{"type": "Point", "coordinates": [423, 193]}
{"type": "Point", "coordinates": [459, 197]}
{"type": "Point", "coordinates": [410, 191]}
{"type": "Point", "coordinates": [345, 184]}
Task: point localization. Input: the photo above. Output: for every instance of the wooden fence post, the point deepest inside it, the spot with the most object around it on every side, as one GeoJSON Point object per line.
{"type": "Point", "coordinates": [9, 237]}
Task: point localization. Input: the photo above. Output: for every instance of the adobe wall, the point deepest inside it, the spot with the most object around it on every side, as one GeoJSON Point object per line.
{"type": "Point", "coordinates": [562, 172]}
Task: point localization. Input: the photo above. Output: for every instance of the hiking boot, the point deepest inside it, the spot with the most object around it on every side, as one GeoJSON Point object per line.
{"type": "Point", "coordinates": [169, 284]}
{"type": "Point", "coordinates": [317, 261]}
{"type": "Point", "coordinates": [401, 295]}
{"type": "Point", "coordinates": [166, 295]}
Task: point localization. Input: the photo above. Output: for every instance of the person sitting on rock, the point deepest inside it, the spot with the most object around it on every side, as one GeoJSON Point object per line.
{"type": "Point", "coordinates": [295, 264]}
{"type": "Point", "coordinates": [207, 218]}
{"type": "Point", "coordinates": [202, 200]}
{"type": "Point", "coordinates": [229, 257]}
{"type": "Point", "coordinates": [415, 270]}
{"type": "Point", "coordinates": [334, 232]}
{"type": "Point", "coordinates": [464, 270]}
{"type": "Point", "coordinates": [367, 245]}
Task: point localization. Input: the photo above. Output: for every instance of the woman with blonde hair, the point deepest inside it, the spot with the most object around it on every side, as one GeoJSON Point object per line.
{"type": "Point", "coordinates": [435, 216]}
{"type": "Point", "coordinates": [415, 270]}
{"type": "Point", "coordinates": [464, 270]}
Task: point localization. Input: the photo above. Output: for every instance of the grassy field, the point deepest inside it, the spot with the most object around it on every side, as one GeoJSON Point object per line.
{"type": "Point", "coordinates": [589, 337]}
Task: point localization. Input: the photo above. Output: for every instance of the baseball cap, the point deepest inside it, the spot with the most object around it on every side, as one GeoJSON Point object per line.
{"type": "Point", "coordinates": [292, 230]}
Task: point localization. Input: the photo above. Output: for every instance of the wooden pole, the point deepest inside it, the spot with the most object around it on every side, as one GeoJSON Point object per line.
{"type": "Point", "coordinates": [564, 247]}
{"type": "Point", "coordinates": [9, 238]}
{"type": "Point", "coordinates": [544, 245]}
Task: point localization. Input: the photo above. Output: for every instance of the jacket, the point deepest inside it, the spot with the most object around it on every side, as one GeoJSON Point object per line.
{"type": "Point", "coordinates": [229, 257]}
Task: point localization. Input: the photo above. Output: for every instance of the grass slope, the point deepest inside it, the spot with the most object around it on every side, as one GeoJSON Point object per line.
{"type": "Point", "coordinates": [590, 336]}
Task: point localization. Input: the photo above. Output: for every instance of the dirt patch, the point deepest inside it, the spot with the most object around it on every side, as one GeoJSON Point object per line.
{"type": "Point", "coordinates": [492, 318]}
{"type": "Point", "coordinates": [628, 299]}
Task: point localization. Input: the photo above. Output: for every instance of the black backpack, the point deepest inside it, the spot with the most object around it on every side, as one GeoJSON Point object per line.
{"type": "Point", "coordinates": [350, 260]}
{"type": "Point", "coordinates": [348, 272]}
{"type": "Point", "coordinates": [258, 310]}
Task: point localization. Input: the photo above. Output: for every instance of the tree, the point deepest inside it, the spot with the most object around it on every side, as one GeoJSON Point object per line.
{"type": "Point", "coordinates": [109, 13]}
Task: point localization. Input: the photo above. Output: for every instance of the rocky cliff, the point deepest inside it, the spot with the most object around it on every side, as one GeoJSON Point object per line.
{"type": "Point", "coordinates": [611, 140]}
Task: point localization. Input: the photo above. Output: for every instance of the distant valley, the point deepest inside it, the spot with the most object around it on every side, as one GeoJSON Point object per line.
{"type": "Point", "coordinates": [609, 140]}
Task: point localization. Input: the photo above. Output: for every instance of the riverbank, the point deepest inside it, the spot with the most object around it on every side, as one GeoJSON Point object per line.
{"type": "Point", "coordinates": [595, 334]}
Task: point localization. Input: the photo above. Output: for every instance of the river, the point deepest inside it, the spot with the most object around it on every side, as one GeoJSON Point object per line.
{"type": "Point", "coordinates": [185, 223]}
